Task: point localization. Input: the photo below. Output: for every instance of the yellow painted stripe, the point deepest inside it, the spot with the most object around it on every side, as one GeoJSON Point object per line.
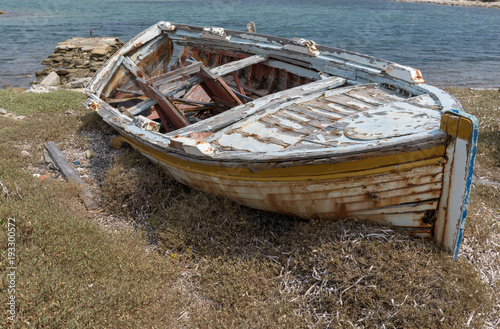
{"type": "Point", "coordinates": [319, 172]}
{"type": "Point", "coordinates": [456, 126]}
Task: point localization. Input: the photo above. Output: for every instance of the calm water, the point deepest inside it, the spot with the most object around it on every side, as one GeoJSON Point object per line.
{"type": "Point", "coordinates": [450, 45]}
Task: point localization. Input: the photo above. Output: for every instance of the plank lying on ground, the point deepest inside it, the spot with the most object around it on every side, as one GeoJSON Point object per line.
{"type": "Point", "coordinates": [67, 170]}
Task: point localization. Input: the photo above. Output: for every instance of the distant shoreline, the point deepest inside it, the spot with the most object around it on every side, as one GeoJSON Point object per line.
{"type": "Point", "coordinates": [462, 3]}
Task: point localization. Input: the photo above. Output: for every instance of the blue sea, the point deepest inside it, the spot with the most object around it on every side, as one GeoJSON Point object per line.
{"type": "Point", "coordinates": [457, 46]}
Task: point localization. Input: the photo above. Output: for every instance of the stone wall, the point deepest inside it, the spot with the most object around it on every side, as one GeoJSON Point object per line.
{"type": "Point", "coordinates": [76, 60]}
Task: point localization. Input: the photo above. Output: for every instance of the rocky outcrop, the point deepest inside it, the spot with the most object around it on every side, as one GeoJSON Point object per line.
{"type": "Point", "coordinates": [77, 59]}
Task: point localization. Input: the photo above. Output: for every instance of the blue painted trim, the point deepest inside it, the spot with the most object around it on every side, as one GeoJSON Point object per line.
{"type": "Point", "coordinates": [470, 171]}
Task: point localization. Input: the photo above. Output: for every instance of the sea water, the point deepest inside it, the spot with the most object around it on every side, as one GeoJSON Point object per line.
{"type": "Point", "coordinates": [451, 45]}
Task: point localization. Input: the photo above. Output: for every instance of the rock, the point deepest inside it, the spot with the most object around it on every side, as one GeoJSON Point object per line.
{"type": "Point", "coordinates": [86, 55]}
{"type": "Point", "coordinates": [62, 72]}
{"type": "Point", "coordinates": [51, 80]}
{"type": "Point", "coordinates": [91, 154]}
{"type": "Point", "coordinates": [3, 111]}
{"type": "Point", "coordinates": [43, 72]}
{"type": "Point", "coordinates": [25, 154]}
{"type": "Point", "coordinates": [111, 41]}
{"type": "Point", "coordinates": [82, 73]}
{"type": "Point", "coordinates": [84, 62]}
{"type": "Point", "coordinates": [101, 51]}
{"type": "Point", "coordinates": [80, 83]}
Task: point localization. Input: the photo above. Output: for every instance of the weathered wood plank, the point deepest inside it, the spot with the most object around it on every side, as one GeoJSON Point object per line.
{"type": "Point", "coordinates": [286, 123]}
{"type": "Point", "coordinates": [306, 112]}
{"type": "Point", "coordinates": [403, 208]}
{"type": "Point", "coordinates": [67, 170]}
{"type": "Point", "coordinates": [237, 65]}
{"type": "Point", "coordinates": [176, 74]}
{"type": "Point", "coordinates": [349, 102]}
{"type": "Point", "coordinates": [166, 109]}
{"type": "Point", "coordinates": [134, 69]}
{"type": "Point", "coordinates": [109, 75]}
{"type": "Point", "coordinates": [218, 89]}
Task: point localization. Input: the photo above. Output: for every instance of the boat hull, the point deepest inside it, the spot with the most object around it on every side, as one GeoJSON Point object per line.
{"type": "Point", "coordinates": [398, 189]}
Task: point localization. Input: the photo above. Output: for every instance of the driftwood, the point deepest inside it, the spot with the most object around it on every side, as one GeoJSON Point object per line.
{"type": "Point", "coordinates": [67, 170]}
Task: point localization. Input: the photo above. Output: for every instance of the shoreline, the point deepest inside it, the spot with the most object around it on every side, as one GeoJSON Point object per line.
{"type": "Point", "coordinates": [456, 3]}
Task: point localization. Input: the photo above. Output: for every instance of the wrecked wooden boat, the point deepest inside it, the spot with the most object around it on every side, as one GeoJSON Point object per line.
{"type": "Point", "coordinates": [289, 126]}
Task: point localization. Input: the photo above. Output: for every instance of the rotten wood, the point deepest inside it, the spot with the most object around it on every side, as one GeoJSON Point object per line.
{"type": "Point", "coordinates": [166, 109]}
{"type": "Point", "coordinates": [67, 170]}
{"type": "Point", "coordinates": [218, 89]}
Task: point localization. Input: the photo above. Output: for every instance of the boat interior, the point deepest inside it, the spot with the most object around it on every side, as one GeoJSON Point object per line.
{"type": "Point", "coordinates": [304, 108]}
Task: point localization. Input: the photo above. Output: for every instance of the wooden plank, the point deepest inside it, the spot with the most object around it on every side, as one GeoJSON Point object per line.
{"type": "Point", "coordinates": [307, 113]}
{"type": "Point", "coordinates": [237, 65]}
{"type": "Point", "coordinates": [134, 69]}
{"type": "Point", "coordinates": [320, 103]}
{"type": "Point", "coordinates": [218, 89]}
{"type": "Point", "coordinates": [327, 205]}
{"type": "Point", "coordinates": [342, 109]}
{"type": "Point", "coordinates": [261, 131]}
{"type": "Point", "coordinates": [109, 75]}
{"type": "Point", "coordinates": [172, 115]}
{"type": "Point", "coordinates": [272, 124]}
{"type": "Point", "coordinates": [334, 116]}
{"type": "Point", "coordinates": [402, 208]}
{"type": "Point", "coordinates": [352, 103]}
{"type": "Point", "coordinates": [286, 124]}
{"type": "Point", "coordinates": [264, 139]}
{"type": "Point", "coordinates": [176, 74]}
{"type": "Point", "coordinates": [67, 170]}
{"type": "Point", "coordinates": [366, 99]}
{"type": "Point", "coordinates": [384, 94]}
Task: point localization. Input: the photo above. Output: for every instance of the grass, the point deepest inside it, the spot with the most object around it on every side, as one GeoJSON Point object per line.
{"type": "Point", "coordinates": [198, 261]}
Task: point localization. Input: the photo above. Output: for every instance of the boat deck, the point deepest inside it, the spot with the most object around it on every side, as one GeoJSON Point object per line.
{"type": "Point", "coordinates": [335, 118]}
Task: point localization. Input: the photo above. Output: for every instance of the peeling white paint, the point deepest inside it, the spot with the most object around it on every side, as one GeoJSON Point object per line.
{"type": "Point", "coordinates": [247, 143]}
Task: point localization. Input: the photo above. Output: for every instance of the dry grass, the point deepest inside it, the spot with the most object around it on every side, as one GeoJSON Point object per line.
{"type": "Point", "coordinates": [198, 261]}
{"type": "Point", "coordinates": [481, 245]}
{"type": "Point", "coordinates": [485, 105]}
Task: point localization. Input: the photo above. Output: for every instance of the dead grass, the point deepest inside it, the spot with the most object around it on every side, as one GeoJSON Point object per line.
{"type": "Point", "coordinates": [199, 261]}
